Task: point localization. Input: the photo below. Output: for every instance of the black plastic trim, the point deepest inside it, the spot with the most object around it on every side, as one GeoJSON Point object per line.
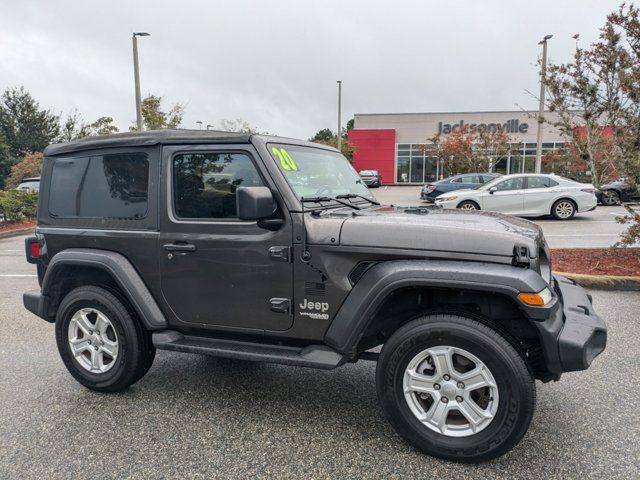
{"type": "Point", "coordinates": [382, 279]}
{"type": "Point", "coordinates": [315, 356]}
{"type": "Point", "coordinates": [120, 270]}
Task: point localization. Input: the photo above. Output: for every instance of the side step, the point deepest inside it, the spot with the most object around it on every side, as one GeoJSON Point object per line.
{"type": "Point", "coordinates": [315, 356]}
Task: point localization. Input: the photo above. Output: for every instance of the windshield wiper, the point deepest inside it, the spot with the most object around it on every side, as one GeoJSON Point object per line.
{"type": "Point", "coordinates": [330, 199]}
{"type": "Point", "coordinates": [355, 195]}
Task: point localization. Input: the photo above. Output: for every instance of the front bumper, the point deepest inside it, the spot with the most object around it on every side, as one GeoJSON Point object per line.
{"type": "Point", "coordinates": [574, 334]}
{"type": "Point", "coordinates": [447, 203]}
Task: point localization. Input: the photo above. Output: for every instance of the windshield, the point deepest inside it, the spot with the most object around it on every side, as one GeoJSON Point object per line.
{"type": "Point", "coordinates": [314, 172]}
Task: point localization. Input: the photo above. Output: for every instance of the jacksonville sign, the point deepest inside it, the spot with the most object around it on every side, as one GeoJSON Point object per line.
{"type": "Point", "coordinates": [510, 126]}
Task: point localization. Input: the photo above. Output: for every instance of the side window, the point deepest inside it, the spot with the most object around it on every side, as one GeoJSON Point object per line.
{"type": "Point", "coordinates": [510, 184]}
{"type": "Point", "coordinates": [111, 187]}
{"type": "Point", "coordinates": [456, 180]}
{"type": "Point", "coordinates": [205, 184]}
{"type": "Point", "coordinates": [538, 182]}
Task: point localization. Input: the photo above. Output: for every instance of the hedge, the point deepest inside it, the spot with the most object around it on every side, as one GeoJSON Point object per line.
{"type": "Point", "coordinates": [18, 205]}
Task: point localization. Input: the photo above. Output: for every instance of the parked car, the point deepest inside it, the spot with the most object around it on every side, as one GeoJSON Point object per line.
{"type": "Point", "coordinates": [371, 178]}
{"type": "Point", "coordinates": [268, 249]}
{"type": "Point", "coordinates": [29, 185]}
{"type": "Point", "coordinates": [532, 195]}
{"type": "Point", "coordinates": [613, 193]}
{"type": "Point", "coordinates": [457, 182]}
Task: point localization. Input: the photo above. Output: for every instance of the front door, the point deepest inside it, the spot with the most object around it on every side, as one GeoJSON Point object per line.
{"type": "Point", "coordinates": [507, 198]}
{"type": "Point", "coordinates": [216, 270]}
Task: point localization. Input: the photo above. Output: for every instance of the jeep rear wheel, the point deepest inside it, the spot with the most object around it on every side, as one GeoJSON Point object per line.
{"type": "Point", "coordinates": [100, 342]}
{"type": "Point", "coordinates": [455, 388]}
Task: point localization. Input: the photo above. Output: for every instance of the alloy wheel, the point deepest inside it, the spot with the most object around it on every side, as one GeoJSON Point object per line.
{"type": "Point", "coordinates": [93, 340]}
{"type": "Point", "coordinates": [564, 209]}
{"type": "Point", "coordinates": [450, 391]}
{"type": "Point", "coordinates": [467, 206]}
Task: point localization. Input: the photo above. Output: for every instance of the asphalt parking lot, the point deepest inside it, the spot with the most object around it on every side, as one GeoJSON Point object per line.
{"type": "Point", "coordinates": [586, 230]}
{"type": "Point", "coordinates": [199, 417]}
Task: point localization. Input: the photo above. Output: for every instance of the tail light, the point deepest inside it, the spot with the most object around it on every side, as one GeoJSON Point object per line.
{"type": "Point", "coordinates": [32, 247]}
{"type": "Point", "coordinates": [431, 188]}
{"type": "Point", "coordinates": [588, 190]}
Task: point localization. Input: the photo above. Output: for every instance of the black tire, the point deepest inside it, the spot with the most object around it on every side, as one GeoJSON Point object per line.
{"type": "Point", "coordinates": [610, 198]}
{"type": "Point", "coordinates": [564, 201]}
{"type": "Point", "coordinates": [514, 380]}
{"type": "Point", "coordinates": [135, 349]}
{"type": "Point", "coordinates": [468, 205]}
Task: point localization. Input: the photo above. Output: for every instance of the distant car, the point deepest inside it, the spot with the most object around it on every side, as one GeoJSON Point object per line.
{"type": "Point", "coordinates": [29, 185]}
{"type": "Point", "coordinates": [526, 195]}
{"type": "Point", "coordinates": [621, 190]}
{"type": "Point", "coordinates": [458, 182]}
{"type": "Point", "coordinates": [371, 178]}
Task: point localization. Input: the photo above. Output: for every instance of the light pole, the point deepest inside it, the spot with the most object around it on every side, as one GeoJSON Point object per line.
{"type": "Point", "coordinates": [543, 73]}
{"type": "Point", "coordinates": [136, 74]}
{"type": "Point", "coordinates": [209, 126]}
{"type": "Point", "coordinates": [339, 115]}
{"type": "Point", "coordinates": [199, 122]}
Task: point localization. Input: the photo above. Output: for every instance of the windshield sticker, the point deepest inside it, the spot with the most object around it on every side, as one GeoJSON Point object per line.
{"type": "Point", "coordinates": [286, 161]}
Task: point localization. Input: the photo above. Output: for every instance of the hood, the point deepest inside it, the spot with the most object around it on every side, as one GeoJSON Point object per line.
{"type": "Point", "coordinates": [436, 229]}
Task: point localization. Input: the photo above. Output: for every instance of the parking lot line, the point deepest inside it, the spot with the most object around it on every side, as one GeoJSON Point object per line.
{"type": "Point", "coordinates": [18, 275]}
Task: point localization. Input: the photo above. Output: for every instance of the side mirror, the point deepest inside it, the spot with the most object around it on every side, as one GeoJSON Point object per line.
{"type": "Point", "coordinates": [254, 203]}
{"type": "Point", "coordinates": [492, 190]}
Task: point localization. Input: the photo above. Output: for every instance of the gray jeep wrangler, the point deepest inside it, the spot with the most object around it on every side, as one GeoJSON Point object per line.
{"type": "Point", "coordinates": [271, 249]}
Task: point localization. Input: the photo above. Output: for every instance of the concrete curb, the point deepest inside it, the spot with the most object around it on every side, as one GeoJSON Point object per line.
{"type": "Point", "coordinates": [17, 233]}
{"type": "Point", "coordinates": [605, 282]}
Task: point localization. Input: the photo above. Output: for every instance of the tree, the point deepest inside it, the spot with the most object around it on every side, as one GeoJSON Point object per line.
{"type": "Point", "coordinates": [29, 166]}
{"type": "Point", "coordinates": [239, 126]}
{"type": "Point", "coordinates": [73, 127]}
{"type": "Point", "coordinates": [154, 118]}
{"type": "Point", "coordinates": [328, 137]}
{"type": "Point", "coordinates": [24, 125]}
{"type": "Point", "coordinates": [103, 126]}
{"type": "Point", "coordinates": [597, 99]}
{"type": "Point", "coordinates": [324, 135]}
{"type": "Point", "coordinates": [470, 149]}
{"type": "Point", "coordinates": [6, 161]}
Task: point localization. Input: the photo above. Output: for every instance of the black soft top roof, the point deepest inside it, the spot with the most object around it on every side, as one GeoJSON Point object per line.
{"type": "Point", "coordinates": [148, 138]}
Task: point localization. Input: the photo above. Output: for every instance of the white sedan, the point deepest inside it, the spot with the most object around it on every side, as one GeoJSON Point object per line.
{"type": "Point", "coordinates": [531, 195]}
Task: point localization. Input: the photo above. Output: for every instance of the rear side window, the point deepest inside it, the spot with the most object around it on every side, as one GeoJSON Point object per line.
{"type": "Point", "coordinates": [113, 186]}
{"type": "Point", "coordinates": [540, 182]}
{"type": "Point", "coordinates": [205, 184]}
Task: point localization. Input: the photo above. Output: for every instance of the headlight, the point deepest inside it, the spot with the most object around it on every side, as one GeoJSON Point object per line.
{"type": "Point", "coordinates": [446, 199]}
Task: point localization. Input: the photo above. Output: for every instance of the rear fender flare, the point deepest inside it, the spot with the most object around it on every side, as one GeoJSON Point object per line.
{"type": "Point", "coordinates": [121, 270]}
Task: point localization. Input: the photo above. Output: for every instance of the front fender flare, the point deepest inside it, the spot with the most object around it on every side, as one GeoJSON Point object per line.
{"type": "Point", "coordinates": [358, 310]}
{"type": "Point", "coordinates": [121, 270]}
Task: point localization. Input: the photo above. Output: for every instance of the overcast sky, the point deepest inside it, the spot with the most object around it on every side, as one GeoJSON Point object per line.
{"type": "Point", "coordinates": [275, 63]}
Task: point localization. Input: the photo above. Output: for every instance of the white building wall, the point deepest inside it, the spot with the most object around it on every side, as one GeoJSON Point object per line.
{"type": "Point", "coordinates": [418, 127]}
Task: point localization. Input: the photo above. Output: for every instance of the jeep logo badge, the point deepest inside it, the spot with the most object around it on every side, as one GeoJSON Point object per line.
{"type": "Point", "coordinates": [314, 309]}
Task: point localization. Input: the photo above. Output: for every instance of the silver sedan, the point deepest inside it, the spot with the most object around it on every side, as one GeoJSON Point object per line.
{"type": "Point", "coordinates": [531, 195]}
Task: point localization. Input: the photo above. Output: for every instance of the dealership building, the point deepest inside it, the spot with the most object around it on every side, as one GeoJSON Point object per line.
{"type": "Point", "coordinates": [397, 145]}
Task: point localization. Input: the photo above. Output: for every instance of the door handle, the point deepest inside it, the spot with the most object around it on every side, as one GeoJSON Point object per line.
{"type": "Point", "coordinates": [179, 247]}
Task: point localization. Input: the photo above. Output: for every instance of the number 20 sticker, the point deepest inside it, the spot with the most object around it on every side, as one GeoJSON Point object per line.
{"type": "Point", "coordinates": [286, 161]}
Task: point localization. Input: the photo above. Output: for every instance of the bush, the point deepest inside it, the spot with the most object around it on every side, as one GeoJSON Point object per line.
{"type": "Point", "coordinates": [17, 205]}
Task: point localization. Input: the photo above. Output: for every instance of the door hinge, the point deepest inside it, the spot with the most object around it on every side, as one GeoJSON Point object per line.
{"type": "Point", "coordinates": [280, 305]}
{"type": "Point", "coordinates": [280, 254]}
{"type": "Point", "coordinates": [521, 256]}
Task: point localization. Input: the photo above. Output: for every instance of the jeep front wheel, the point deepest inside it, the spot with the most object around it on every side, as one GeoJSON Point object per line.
{"type": "Point", "coordinates": [455, 388]}
{"type": "Point", "coordinates": [100, 342]}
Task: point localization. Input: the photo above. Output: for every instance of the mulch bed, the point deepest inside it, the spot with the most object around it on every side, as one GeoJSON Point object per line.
{"type": "Point", "coordinates": [597, 261]}
{"type": "Point", "coordinates": [6, 227]}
